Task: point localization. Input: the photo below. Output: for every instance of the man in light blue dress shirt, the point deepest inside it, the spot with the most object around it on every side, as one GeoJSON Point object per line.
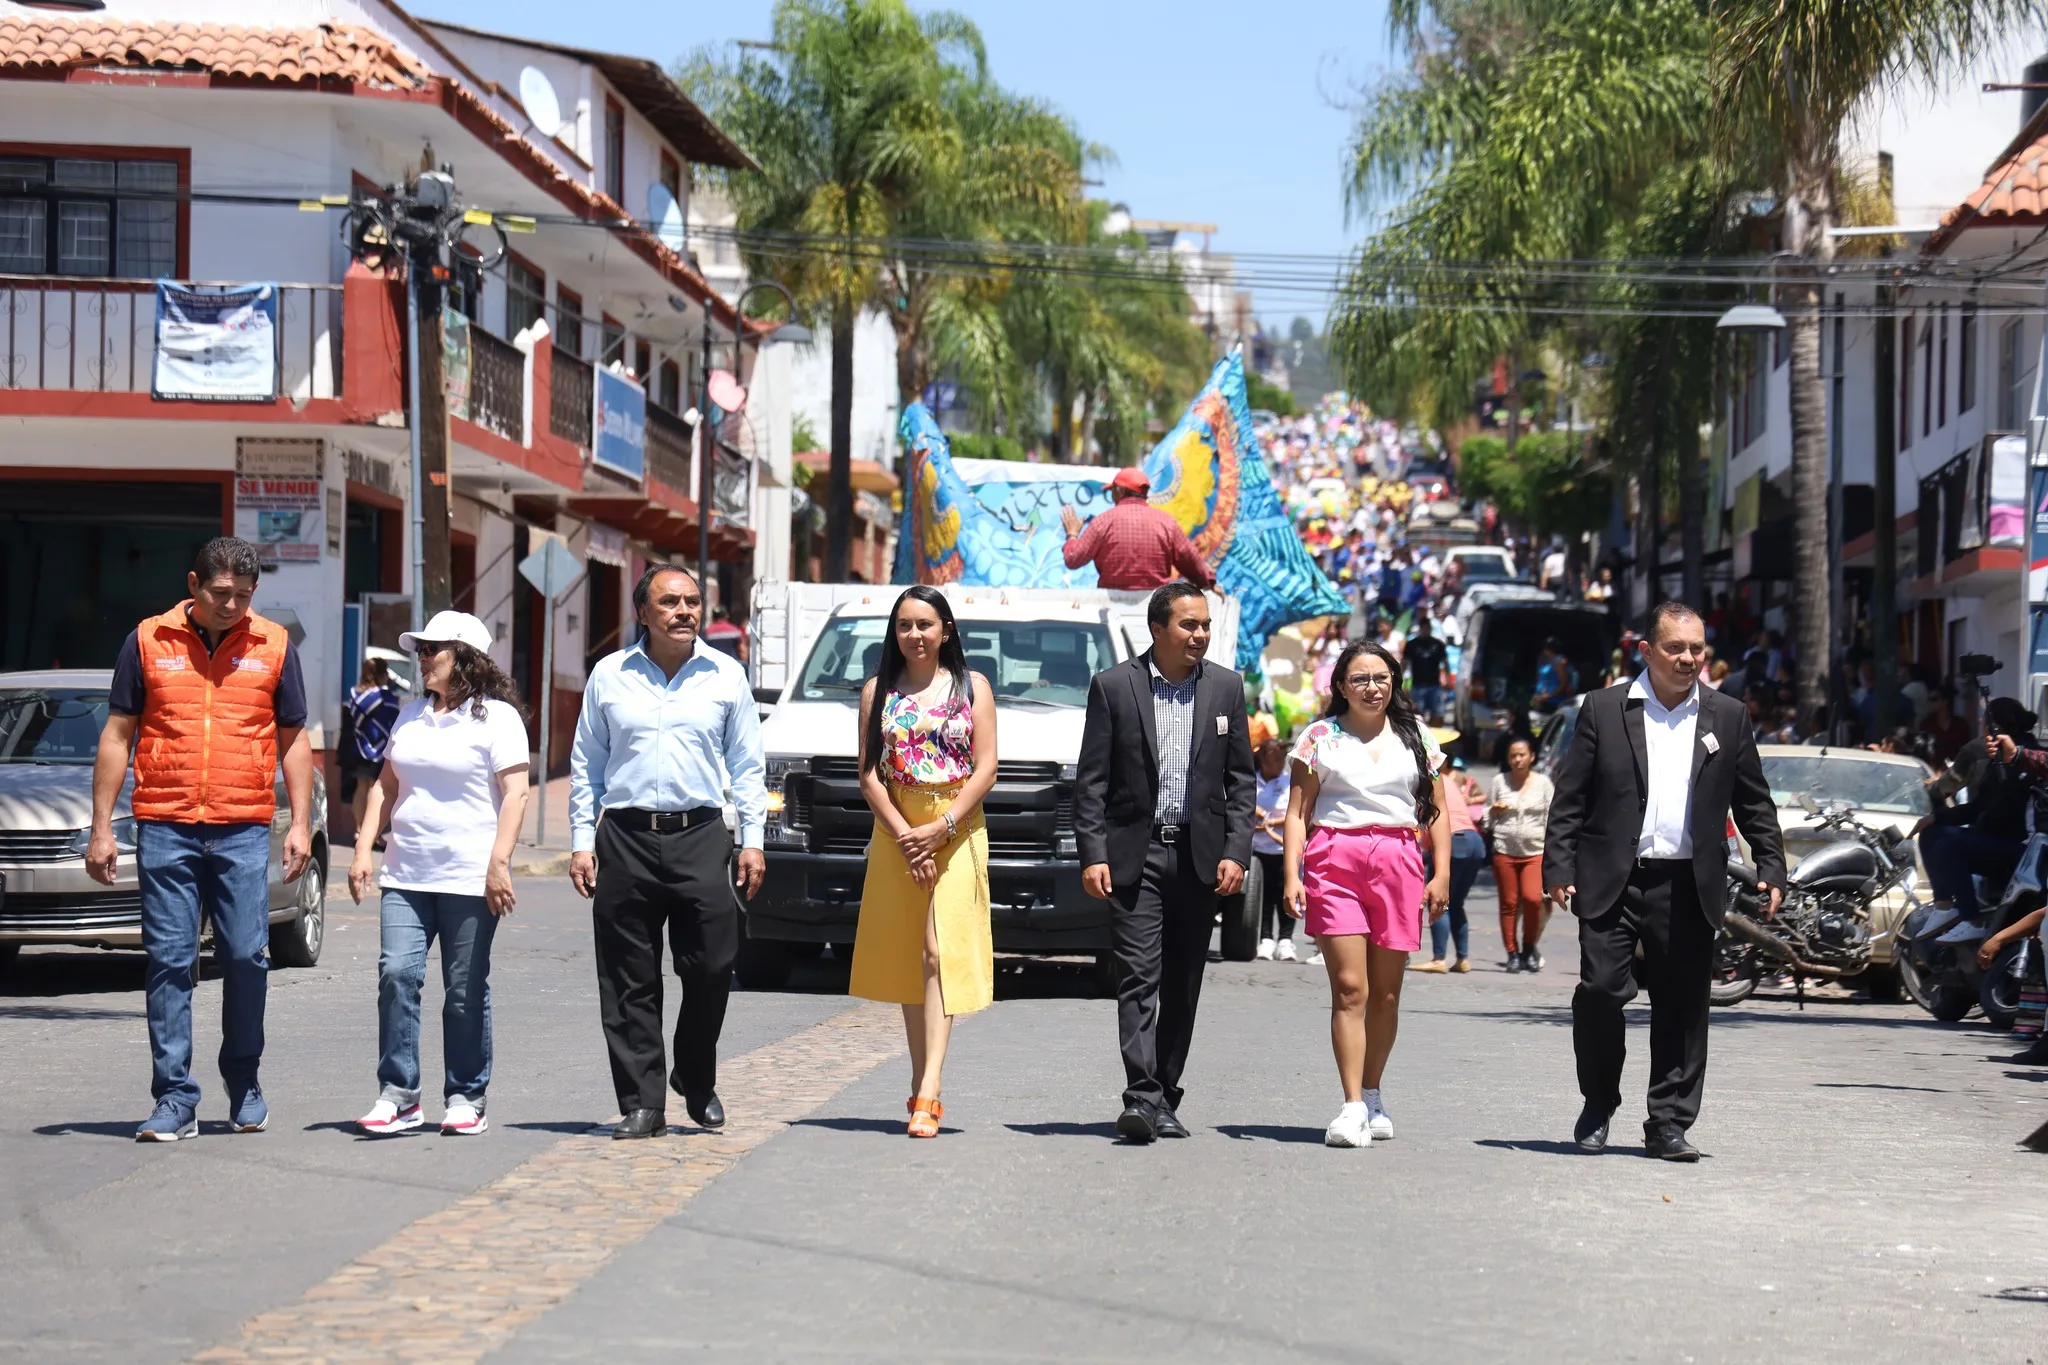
{"type": "Point", "coordinates": [668, 726]}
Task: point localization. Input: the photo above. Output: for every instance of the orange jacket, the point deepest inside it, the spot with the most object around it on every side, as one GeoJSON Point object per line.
{"type": "Point", "coordinates": [206, 745]}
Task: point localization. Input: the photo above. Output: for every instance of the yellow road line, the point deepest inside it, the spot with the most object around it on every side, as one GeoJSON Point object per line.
{"type": "Point", "coordinates": [461, 1281]}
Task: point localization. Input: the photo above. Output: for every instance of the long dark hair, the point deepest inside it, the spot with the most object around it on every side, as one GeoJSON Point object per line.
{"type": "Point", "coordinates": [474, 677]}
{"type": "Point", "coordinates": [1400, 714]}
{"type": "Point", "coordinates": [952, 659]}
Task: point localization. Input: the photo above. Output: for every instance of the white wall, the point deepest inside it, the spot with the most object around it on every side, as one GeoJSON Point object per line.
{"type": "Point", "coordinates": [875, 406]}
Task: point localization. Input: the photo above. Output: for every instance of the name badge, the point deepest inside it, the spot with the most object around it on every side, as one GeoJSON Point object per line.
{"type": "Point", "coordinates": [1222, 725]}
{"type": "Point", "coordinates": [1712, 745]}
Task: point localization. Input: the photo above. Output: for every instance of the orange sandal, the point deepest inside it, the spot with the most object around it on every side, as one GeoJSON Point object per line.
{"type": "Point", "coordinates": [924, 1117]}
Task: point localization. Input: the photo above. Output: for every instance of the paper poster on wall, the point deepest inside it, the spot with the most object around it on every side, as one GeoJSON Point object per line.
{"type": "Point", "coordinates": [2006, 509]}
{"type": "Point", "coordinates": [216, 345]}
{"type": "Point", "coordinates": [280, 501]}
{"type": "Point", "coordinates": [455, 360]}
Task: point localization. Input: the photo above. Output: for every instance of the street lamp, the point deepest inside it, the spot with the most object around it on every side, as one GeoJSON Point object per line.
{"type": "Point", "coordinates": [791, 333]}
{"type": "Point", "coordinates": [1754, 319]}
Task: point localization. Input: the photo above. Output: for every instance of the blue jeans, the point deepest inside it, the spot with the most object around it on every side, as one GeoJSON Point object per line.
{"type": "Point", "coordinates": [1956, 854]}
{"type": "Point", "coordinates": [410, 921]}
{"type": "Point", "coordinates": [225, 868]}
{"type": "Point", "coordinates": [1468, 855]}
{"type": "Point", "coordinates": [1429, 701]}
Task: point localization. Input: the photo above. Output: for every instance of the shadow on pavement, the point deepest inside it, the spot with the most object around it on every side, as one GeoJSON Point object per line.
{"type": "Point", "coordinates": [59, 1012]}
{"type": "Point", "coordinates": [563, 1126]}
{"type": "Point", "coordinates": [890, 1127]}
{"type": "Point", "coordinates": [1270, 1132]}
{"type": "Point", "coordinates": [75, 972]}
{"type": "Point", "coordinates": [1876, 1085]}
{"type": "Point", "coordinates": [1097, 1130]}
{"type": "Point", "coordinates": [1547, 1146]}
{"type": "Point", "coordinates": [122, 1128]}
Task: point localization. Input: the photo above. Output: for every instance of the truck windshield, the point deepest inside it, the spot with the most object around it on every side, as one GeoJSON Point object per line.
{"type": "Point", "coordinates": [1032, 661]}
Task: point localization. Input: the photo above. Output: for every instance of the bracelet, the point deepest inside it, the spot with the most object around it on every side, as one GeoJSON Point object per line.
{"type": "Point", "coordinates": [952, 826]}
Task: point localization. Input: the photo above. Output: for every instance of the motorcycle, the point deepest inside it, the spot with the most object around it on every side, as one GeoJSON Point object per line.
{"type": "Point", "coordinates": [1822, 929]}
{"type": "Point", "coordinates": [1938, 947]}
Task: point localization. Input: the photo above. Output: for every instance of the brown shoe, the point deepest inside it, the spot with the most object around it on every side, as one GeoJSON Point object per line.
{"type": "Point", "coordinates": [1464, 965]}
{"type": "Point", "coordinates": [1435, 964]}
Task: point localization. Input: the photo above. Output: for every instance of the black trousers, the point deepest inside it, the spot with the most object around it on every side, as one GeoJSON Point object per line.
{"type": "Point", "coordinates": [1274, 921]}
{"type": "Point", "coordinates": [646, 879]}
{"type": "Point", "coordinates": [1162, 924]}
{"type": "Point", "coordinates": [1660, 909]}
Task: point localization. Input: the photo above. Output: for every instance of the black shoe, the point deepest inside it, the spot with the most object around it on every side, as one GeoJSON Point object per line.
{"type": "Point", "coordinates": [1167, 1124]}
{"type": "Point", "coordinates": [1590, 1132]}
{"type": "Point", "coordinates": [641, 1123]}
{"type": "Point", "coordinates": [1532, 961]}
{"type": "Point", "coordinates": [1135, 1125]}
{"type": "Point", "coordinates": [705, 1110]}
{"type": "Point", "coordinates": [1667, 1143]}
{"type": "Point", "coordinates": [1514, 962]}
{"type": "Point", "coordinates": [2036, 1055]}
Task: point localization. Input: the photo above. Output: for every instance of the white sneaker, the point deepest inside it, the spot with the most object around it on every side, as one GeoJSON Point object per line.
{"type": "Point", "coordinates": [1283, 951]}
{"type": "Point", "coordinates": [1265, 951]}
{"type": "Point", "coordinates": [386, 1118]}
{"type": "Point", "coordinates": [1348, 1129]}
{"type": "Point", "coordinates": [463, 1119]}
{"type": "Point", "coordinates": [1315, 959]}
{"type": "Point", "coordinates": [1377, 1120]}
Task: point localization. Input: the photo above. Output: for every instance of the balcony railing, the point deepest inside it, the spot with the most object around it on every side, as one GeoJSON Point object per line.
{"type": "Point", "coordinates": [99, 335]}
{"type": "Point", "coordinates": [497, 385]}
{"type": "Point", "coordinates": [668, 450]}
{"type": "Point", "coordinates": [572, 398]}
{"type": "Point", "coordinates": [1963, 508]}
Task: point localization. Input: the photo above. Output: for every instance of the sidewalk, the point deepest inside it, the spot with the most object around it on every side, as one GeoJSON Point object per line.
{"type": "Point", "coordinates": [536, 857]}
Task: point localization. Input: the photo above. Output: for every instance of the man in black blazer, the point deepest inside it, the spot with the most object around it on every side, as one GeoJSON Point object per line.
{"type": "Point", "coordinates": [1637, 848]}
{"type": "Point", "coordinates": [1163, 815]}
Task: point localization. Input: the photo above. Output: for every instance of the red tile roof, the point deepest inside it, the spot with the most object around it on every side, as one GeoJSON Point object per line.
{"type": "Point", "coordinates": [2014, 192]}
{"type": "Point", "coordinates": [329, 51]}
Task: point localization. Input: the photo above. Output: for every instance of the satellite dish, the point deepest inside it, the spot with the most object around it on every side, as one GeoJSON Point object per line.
{"type": "Point", "coordinates": [726, 391]}
{"type": "Point", "coordinates": [537, 98]}
{"type": "Point", "coordinates": [666, 215]}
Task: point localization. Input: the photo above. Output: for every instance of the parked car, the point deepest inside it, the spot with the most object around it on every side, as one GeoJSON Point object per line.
{"type": "Point", "coordinates": [1483, 563]}
{"type": "Point", "coordinates": [50, 725]}
{"type": "Point", "coordinates": [1497, 663]}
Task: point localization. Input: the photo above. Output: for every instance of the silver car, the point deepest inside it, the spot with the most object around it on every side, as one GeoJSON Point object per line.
{"type": "Point", "coordinates": [50, 726]}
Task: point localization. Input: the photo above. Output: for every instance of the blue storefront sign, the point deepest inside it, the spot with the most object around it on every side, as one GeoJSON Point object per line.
{"type": "Point", "coordinates": [619, 426]}
{"type": "Point", "coordinates": [216, 345]}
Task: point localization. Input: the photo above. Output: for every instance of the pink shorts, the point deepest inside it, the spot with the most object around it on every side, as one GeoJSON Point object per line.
{"type": "Point", "coordinates": [1365, 881]}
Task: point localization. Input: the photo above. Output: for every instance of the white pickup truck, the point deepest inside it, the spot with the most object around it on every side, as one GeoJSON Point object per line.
{"type": "Point", "coordinates": [813, 645]}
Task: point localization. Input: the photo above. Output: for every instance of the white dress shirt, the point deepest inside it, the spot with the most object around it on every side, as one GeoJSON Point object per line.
{"type": "Point", "coordinates": [658, 743]}
{"type": "Point", "coordinates": [1667, 767]}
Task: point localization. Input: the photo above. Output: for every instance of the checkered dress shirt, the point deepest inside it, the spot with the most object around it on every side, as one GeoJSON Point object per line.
{"type": "Point", "coordinates": [1173, 719]}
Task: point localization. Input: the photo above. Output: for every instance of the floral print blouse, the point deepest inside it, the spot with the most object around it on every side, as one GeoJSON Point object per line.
{"type": "Point", "coordinates": [927, 746]}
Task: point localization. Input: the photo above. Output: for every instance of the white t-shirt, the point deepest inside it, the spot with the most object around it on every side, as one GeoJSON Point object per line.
{"type": "Point", "coordinates": [1271, 800]}
{"type": "Point", "coordinates": [446, 819]}
{"type": "Point", "coordinates": [1359, 785]}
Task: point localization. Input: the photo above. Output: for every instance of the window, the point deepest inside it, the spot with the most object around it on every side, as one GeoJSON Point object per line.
{"type": "Point", "coordinates": [672, 177]}
{"type": "Point", "coordinates": [2009, 368]}
{"type": "Point", "coordinates": [526, 295]}
{"type": "Point", "coordinates": [1757, 403]}
{"type": "Point", "coordinates": [1966, 359]}
{"type": "Point", "coordinates": [1926, 379]}
{"type": "Point", "coordinates": [569, 320]}
{"type": "Point", "coordinates": [670, 389]}
{"type": "Point", "coordinates": [615, 151]}
{"type": "Point", "coordinates": [1905, 383]}
{"type": "Point", "coordinates": [611, 342]}
{"type": "Point", "coordinates": [643, 363]}
{"type": "Point", "coordinates": [88, 216]}
{"type": "Point", "coordinates": [1941, 382]}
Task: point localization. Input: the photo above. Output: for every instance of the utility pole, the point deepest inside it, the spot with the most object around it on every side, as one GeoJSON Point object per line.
{"type": "Point", "coordinates": [1884, 615]}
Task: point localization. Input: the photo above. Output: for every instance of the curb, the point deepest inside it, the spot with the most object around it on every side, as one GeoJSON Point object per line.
{"type": "Point", "coordinates": [546, 865]}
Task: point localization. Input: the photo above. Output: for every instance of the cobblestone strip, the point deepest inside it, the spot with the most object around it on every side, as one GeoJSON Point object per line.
{"type": "Point", "coordinates": [459, 1282]}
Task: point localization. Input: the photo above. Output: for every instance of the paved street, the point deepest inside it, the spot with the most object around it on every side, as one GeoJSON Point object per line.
{"type": "Point", "coordinates": [1863, 1198]}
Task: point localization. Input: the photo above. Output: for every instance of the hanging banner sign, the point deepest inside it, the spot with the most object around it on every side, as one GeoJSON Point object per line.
{"type": "Point", "coordinates": [455, 360]}
{"type": "Point", "coordinates": [216, 345]}
{"type": "Point", "coordinates": [280, 504]}
{"type": "Point", "coordinates": [619, 426]}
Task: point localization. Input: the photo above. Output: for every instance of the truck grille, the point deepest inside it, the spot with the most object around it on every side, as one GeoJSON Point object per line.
{"type": "Point", "coordinates": [857, 846]}
{"type": "Point", "coordinates": [848, 770]}
{"type": "Point", "coordinates": [23, 846]}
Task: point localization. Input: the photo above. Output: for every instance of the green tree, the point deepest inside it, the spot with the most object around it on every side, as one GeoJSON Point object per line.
{"type": "Point", "coordinates": [1546, 485]}
{"type": "Point", "coordinates": [1788, 75]}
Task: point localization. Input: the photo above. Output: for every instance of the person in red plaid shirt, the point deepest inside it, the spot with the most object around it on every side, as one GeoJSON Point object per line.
{"type": "Point", "coordinates": [1134, 545]}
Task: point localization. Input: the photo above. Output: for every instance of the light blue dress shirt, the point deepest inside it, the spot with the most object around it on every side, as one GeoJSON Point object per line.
{"type": "Point", "coordinates": [657, 743]}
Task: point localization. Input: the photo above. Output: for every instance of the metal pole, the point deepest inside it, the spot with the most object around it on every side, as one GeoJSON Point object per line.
{"type": "Point", "coordinates": [412, 422]}
{"type": "Point", "coordinates": [547, 716]}
{"type": "Point", "coordinates": [706, 451]}
{"type": "Point", "coordinates": [2032, 610]}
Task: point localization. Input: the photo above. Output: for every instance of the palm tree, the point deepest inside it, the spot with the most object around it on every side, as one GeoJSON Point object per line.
{"type": "Point", "coordinates": [1788, 76]}
{"type": "Point", "coordinates": [846, 114]}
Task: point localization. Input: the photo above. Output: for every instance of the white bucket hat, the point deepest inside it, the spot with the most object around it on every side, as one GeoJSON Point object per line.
{"type": "Point", "coordinates": [458, 626]}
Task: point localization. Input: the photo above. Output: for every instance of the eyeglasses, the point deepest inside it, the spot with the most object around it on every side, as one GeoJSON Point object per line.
{"type": "Point", "coordinates": [423, 648]}
{"type": "Point", "coordinates": [1365, 680]}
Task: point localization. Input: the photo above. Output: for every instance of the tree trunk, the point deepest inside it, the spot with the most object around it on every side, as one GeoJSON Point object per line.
{"type": "Point", "coordinates": [1062, 421]}
{"type": "Point", "coordinates": [1692, 521]}
{"type": "Point", "coordinates": [839, 495]}
{"type": "Point", "coordinates": [1809, 210]}
{"type": "Point", "coordinates": [1085, 438]}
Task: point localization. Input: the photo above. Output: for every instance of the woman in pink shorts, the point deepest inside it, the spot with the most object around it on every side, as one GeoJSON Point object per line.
{"type": "Point", "coordinates": [1366, 788]}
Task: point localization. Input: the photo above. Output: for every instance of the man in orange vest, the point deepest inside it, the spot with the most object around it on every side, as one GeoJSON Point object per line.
{"type": "Point", "coordinates": [204, 697]}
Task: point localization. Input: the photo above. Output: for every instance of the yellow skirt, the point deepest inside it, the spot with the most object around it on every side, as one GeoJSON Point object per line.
{"type": "Point", "coordinates": [888, 949]}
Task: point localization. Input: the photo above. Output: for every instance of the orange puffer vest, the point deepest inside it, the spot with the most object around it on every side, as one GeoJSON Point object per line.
{"type": "Point", "coordinates": [206, 747]}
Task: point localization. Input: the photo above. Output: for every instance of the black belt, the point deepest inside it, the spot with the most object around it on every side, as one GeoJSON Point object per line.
{"type": "Point", "coordinates": [1169, 834]}
{"type": "Point", "coordinates": [662, 821]}
{"type": "Point", "coordinates": [1673, 866]}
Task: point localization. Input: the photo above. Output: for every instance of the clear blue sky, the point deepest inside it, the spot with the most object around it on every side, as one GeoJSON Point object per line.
{"type": "Point", "coordinates": [1218, 112]}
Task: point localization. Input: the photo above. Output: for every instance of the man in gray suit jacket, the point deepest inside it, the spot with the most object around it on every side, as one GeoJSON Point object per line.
{"type": "Point", "coordinates": [1163, 815]}
{"type": "Point", "coordinates": [1637, 848]}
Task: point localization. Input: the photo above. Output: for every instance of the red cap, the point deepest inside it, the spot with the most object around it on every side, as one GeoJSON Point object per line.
{"type": "Point", "coordinates": [1132, 478]}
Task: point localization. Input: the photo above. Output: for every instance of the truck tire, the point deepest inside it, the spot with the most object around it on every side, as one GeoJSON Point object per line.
{"type": "Point", "coordinates": [1241, 916]}
{"type": "Point", "coordinates": [762, 964]}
